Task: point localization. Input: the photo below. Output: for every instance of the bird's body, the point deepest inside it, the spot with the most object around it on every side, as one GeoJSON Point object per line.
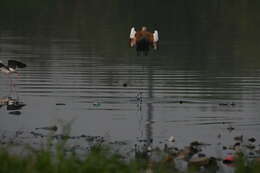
{"type": "Point", "coordinates": [5, 70]}
{"type": "Point", "coordinates": [143, 40]}
{"type": "Point", "coordinates": [11, 67]}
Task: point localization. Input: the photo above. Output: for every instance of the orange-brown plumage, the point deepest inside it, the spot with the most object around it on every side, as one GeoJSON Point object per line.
{"type": "Point", "coordinates": [143, 39]}
{"type": "Point", "coordinates": [144, 34]}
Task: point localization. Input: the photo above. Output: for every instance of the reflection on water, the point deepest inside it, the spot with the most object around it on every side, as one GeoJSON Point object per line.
{"type": "Point", "coordinates": [204, 78]}
{"type": "Point", "coordinates": [12, 105]}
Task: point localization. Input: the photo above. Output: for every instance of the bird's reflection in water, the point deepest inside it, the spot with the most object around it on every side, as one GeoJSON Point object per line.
{"type": "Point", "coordinates": [12, 105]}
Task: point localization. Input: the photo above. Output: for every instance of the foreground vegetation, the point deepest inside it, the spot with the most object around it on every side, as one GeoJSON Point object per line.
{"type": "Point", "coordinates": [57, 156]}
{"type": "Point", "coordinates": [100, 159]}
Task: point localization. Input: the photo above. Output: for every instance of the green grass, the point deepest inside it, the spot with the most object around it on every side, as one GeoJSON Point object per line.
{"type": "Point", "coordinates": [246, 166]}
{"type": "Point", "coordinates": [99, 160]}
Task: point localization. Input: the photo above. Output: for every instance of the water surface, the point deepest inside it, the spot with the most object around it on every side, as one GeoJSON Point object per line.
{"type": "Point", "coordinates": [77, 54]}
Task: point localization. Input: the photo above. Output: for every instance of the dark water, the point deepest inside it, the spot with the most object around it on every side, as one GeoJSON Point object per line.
{"type": "Point", "coordinates": [77, 53]}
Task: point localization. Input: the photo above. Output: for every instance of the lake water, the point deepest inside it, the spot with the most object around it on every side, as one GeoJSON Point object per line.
{"type": "Point", "coordinates": [204, 78]}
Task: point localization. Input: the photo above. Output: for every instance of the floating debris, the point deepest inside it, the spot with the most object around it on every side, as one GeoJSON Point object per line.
{"type": "Point", "coordinates": [118, 143]}
{"type": "Point", "coordinates": [150, 122]}
{"type": "Point", "coordinates": [223, 104]}
{"type": "Point", "coordinates": [18, 133]}
{"type": "Point", "coordinates": [83, 136]}
{"type": "Point", "coordinates": [252, 139]}
{"type": "Point", "coordinates": [63, 137]}
{"type": "Point", "coordinates": [201, 155]}
{"type": "Point", "coordinates": [238, 138]}
{"type": "Point", "coordinates": [51, 128]}
{"type": "Point", "coordinates": [60, 104]}
{"type": "Point", "coordinates": [15, 113]}
{"type": "Point", "coordinates": [219, 136]}
{"type": "Point", "coordinates": [227, 104]}
{"type": "Point", "coordinates": [197, 143]}
{"type": "Point", "coordinates": [35, 134]}
{"type": "Point", "coordinates": [96, 104]}
{"type": "Point", "coordinates": [124, 84]}
{"type": "Point", "coordinates": [230, 128]}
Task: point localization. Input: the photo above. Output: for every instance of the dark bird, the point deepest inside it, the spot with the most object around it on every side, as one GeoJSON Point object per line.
{"type": "Point", "coordinates": [10, 68]}
{"type": "Point", "coordinates": [143, 40]}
